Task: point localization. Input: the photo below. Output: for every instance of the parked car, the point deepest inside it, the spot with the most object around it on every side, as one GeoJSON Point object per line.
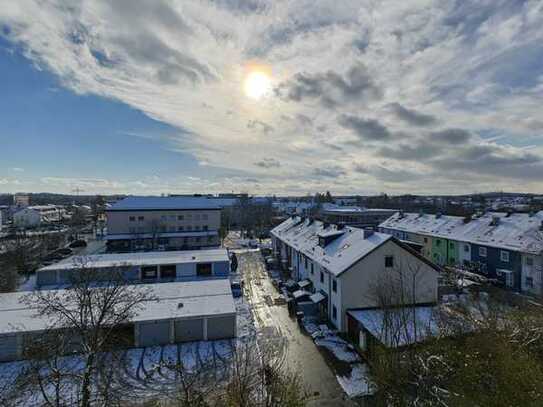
{"type": "Point", "coordinates": [66, 251]}
{"type": "Point", "coordinates": [237, 288]}
{"type": "Point", "coordinates": [78, 243]}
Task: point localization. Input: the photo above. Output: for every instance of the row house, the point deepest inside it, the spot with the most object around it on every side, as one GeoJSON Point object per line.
{"type": "Point", "coordinates": [347, 268]}
{"type": "Point", "coordinates": [499, 245]}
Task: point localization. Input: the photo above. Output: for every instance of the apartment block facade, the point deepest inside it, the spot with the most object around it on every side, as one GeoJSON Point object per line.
{"type": "Point", "coordinates": [163, 223]}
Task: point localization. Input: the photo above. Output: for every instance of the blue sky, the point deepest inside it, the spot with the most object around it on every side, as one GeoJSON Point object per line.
{"type": "Point", "coordinates": [354, 97]}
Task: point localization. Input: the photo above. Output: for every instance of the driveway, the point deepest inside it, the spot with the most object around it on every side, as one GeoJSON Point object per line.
{"type": "Point", "coordinates": [274, 325]}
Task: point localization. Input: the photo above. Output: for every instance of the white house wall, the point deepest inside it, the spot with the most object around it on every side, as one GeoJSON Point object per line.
{"type": "Point", "coordinates": [535, 271]}
{"type": "Point", "coordinates": [360, 281]}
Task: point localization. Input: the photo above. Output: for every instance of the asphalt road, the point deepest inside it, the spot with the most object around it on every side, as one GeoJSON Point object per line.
{"type": "Point", "coordinates": [276, 327]}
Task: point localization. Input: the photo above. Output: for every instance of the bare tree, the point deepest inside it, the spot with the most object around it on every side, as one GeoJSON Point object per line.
{"type": "Point", "coordinates": [89, 319]}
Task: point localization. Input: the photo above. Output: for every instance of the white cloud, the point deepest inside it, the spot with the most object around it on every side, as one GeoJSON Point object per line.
{"type": "Point", "coordinates": [183, 63]}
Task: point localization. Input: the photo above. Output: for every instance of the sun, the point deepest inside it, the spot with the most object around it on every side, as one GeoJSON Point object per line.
{"type": "Point", "coordinates": [257, 84]}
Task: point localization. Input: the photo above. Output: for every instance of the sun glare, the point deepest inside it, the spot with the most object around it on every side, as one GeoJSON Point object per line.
{"type": "Point", "coordinates": [257, 84]}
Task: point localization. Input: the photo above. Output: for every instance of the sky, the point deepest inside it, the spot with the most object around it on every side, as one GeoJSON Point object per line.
{"type": "Point", "coordinates": [271, 97]}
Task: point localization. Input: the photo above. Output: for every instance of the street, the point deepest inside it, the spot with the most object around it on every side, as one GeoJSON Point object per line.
{"type": "Point", "coordinates": [274, 325]}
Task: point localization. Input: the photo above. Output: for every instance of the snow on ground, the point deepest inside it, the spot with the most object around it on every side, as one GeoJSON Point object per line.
{"type": "Point", "coordinates": [357, 383]}
{"type": "Point", "coordinates": [245, 320]}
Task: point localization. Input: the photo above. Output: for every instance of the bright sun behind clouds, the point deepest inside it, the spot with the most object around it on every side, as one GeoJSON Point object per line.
{"type": "Point", "coordinates": [257, 84]}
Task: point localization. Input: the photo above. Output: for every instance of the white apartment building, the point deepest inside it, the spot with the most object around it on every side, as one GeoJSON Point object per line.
{"type": "Point", "coordinates": [348, 268]}
{"type": "Point", "coordinates": [27, 218]}
{"type": "Point", "coordinates": [163, 223]}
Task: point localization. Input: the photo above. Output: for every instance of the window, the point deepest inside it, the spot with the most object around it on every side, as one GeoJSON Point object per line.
{"type": "Point", "coordinates": [466, 248]}
{"type": "Point", "coordinates": [131, 218]}
{"type": "Point", "coordinates": [334, 286]}
{"type": "Point", "coordinates": [180, 228]}
{"type": "Point", "coordinates": [205, 228]}
{"type": "Point", "coordinates": [322, 277]}
{"type": "Point", "coordinates": [172, 217]}
{"type": "Point", "coordinates": [203, 269]}
{"type": "Point", "coordinates": [529, 261]}
{"type": "Point", "coordinates": [425, 240]}
{"type": "Point", "coordinates": [529, 282]}
{"type": "Point", "coordinates": [189, 227]}
{"type": "Point", "coordinates": [482, 251]}
{"type": "Point", "coordinates": [504, 256]}
{"type": "Point", "coordinates": [172, 228]}
{"type": "Point", "coordinates": [180, 217]}
{"type": "Point", "coordinates": [438, 242]}
{"type": "Point", "coordinates": [389, 261]}
{"type": "Point", "coordinates": [204, 216]}
{"type": "Point", "coordinates": [132, 229]}
{"type": "Point", "coordinates": [196, 227]}
{"type": "Point", "coordinates": [140, 218]}
{"type": "Point", "coordinates": [164, 217]}
{"type": "Point", "coordinates": [209, 239]}
{"type": "Point", "coordinates": [311, 268]}
{"type": "Point", "coordinates": [148, 272]}
{"type": "Point", "coordinates": [451, 245]}
{"type": "Point", "coordinates": [334, 312]}
{"type": "Point", "coordinates": [305, 262]}
{"type": "Point", "coordinates": [196, 217]}
{"type": "Point", "coordinates": [198, 239]}
{"type": "Point", "coordinates": [141, 229]}
{"type": "Point", "coordinates": [189, 216]}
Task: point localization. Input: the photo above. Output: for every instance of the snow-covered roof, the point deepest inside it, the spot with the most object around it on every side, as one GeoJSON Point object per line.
{"type": "Point", "coordinates": [399, 326]}
{"type": "Point", "coordinates": [198, 299]}
{"type": "Point", "coordinates": [349, 247]}
{"type": "Point", "coordinates": [518, 231]}
{"type": "Point", "coordinates": [339, 209]}
{"type": "Point", "coordinates": [140, 259]}
{"type": "Point", "coordinates": [130, 236]}
{"type": "Point", "coordinates": [146, 203]}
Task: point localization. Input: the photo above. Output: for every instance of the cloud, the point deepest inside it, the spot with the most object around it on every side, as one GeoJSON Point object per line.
{"type": "Point", "coordinates": [451, 136]}
{"type": "Point", "coordinates": [412, 117]}
{"type": "Point", "coordinates": [329, 172]}
{"type": "Point", "coordinates": [330, 88]}
{"type": "Point", "coordinates": [365, 129]}
{"type": "Point", "coordinates": [418, 85]}
{"type": "Point", "coordinates": [260, 125]}
{"type": "Point", "coordinates": [17, 169]}
{"type": "Point", "coordinates": [268, 163]}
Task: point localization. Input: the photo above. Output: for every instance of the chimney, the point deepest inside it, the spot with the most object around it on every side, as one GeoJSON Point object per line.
{"type": "Point", "coordinates": [325, 225]}
{"type": "Point", "coordinates": [495, 221]}
{"type": "Point", "coordinates": [340, 226]}
{"type": "Point", "coordinates": [438, 215]}
{"type": "Point", "coordinates": [368, 233]}
{"type": "Point", "coordinates": [468, 219]}
{"type": "Point", "coordinates": [400, 214]}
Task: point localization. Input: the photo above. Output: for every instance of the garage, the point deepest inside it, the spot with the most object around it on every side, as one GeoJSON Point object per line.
{"type": "Point", "coordinates": [203, 269]}
{"type": "Point", "coordinates": [8, 348]}
{"type": "Point", "coordinates": [189, 330]}
{"type": "Point", "coordinates": [154, 333]}
{"type": "Point", "coordinates": [221, 327]}
{"type": "Point", "coordinates": [48, 277]}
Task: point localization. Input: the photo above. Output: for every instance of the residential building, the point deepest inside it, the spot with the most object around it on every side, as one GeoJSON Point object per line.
{"type": "Point", "coordinates": [179, 312]}
{"type": "Point", "coordinates": [355, 215]}
{"type": "Point", "coordinates": [27, 218]}
{"type": "Point", "coordinates": [21, 200]}
{"type": "Point", "coordinates": [346, 268]}
{"type": "Point", "coordinates": [163, 223]}
{"type": "Point", "coordinates": [50, 213]}
{"type": "Point", "coordinates": [141, 267]}
{"type": "Point", "coordinates": [499, 245]}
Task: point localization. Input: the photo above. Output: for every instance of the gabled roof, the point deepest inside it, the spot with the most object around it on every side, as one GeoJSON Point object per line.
{"type": "Point", "coordinates": [139, 203]}
{"type": "Point", "coordinates": [339, 255]}
{"type": "Point", "coordinates": [518, 231]}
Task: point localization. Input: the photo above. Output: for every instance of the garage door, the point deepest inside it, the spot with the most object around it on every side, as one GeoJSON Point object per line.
{"type": "Point", "coordinates": [189, 330]}
{"type": "Point", "coordinates": [221, 327]}
{"type": "Point", "coordinates": [8, 348]}
{"type": "Point", "coordinates": [154, 333]}
{"type": "Point", "coordinates": [47, 277]}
